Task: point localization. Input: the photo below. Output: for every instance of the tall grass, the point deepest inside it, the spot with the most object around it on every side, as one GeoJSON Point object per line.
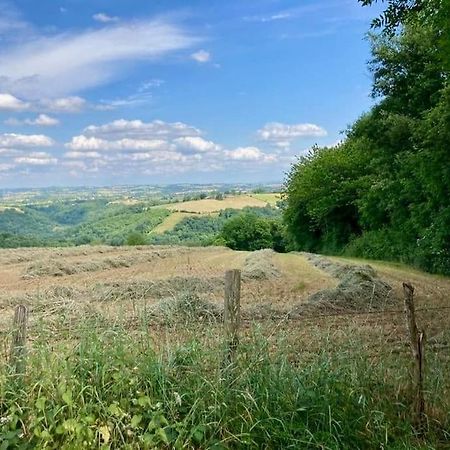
{"type": "Point", "coordinates": [111, 389]}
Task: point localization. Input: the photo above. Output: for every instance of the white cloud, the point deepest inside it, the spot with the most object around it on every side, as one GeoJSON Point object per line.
{"type": "Point", "coordinates": [272, 17]}
{"type": "Point", "coordinates": [138, 129]}
{"type": "Point", "coordinates": [66, 63]}
{"type": "Point", "coordinates": [136, 147]}
{"type": "Point", "coordinates": [10, 103]}
{"type": "Point", "coordinates": [249, 154]}
{"type": "Point", "coordinates": [13, 140]}
{"type": "Point", "coordinates": [104, 18]}
{"type": "Point", "coordinates": [69, 104]}
{"type": "Point", "coordinates": [201, 56]}
{"type": "Point", "coordinates": [42, 120]}
{"type": "Point", "coordinates": [150, 84]}
{"type": "Point", "coordinates": [196, 144]}
{"type": "Point", "coordinates": [140, 137]}
{"type": "Point", "coordinates": [36, 159]}
{"type": "Point", "coordinates": [82, 142]}
{"type": "Point", "coordinates": [82, 155]}
{"type": "Point", "coordinates": [130, 100]}
{"type": "Point", "coordinates": [12, 25]}
{"type": "Point", "coordinates": [5, 167]}
{"type": "Point", "coordinates": [282, 135]}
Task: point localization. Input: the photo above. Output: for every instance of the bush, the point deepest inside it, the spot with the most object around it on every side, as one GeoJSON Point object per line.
{"type": "Point", "coordinates": [250, 232]}
{"type": "Point", "coordinates": [136, 239]}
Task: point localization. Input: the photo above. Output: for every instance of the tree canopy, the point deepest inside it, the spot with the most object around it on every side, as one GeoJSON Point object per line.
{"type": "Point", "coordinates": [384, 192]}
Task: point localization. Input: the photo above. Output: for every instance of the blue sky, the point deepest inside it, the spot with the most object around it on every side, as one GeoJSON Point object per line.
{"type": "Point", "coordinates": [105, 92]}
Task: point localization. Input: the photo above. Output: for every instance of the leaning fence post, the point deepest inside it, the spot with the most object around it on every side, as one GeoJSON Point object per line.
{"type": "Point", "coordinates": [232, 311]}
{"type": "Point", "coordinates": [18, 344]}
{"type": "Point", "coordinates": [417, 339]}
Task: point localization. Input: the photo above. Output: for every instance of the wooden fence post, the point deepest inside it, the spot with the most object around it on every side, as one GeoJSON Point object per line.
{"type": "Point", "coordinates": [18, 344]}
{"type": "Point", "coordinates": [417, 340]}
{"type": "Point", "coordinates": [232, 312]}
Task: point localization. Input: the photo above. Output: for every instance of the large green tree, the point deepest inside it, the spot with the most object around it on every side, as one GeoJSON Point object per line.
{"type": "Point", "coordinates": [384, 192]}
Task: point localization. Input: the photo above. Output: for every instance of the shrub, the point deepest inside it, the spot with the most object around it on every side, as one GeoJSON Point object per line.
{"type": "Point", "coordinates": [136, 238]}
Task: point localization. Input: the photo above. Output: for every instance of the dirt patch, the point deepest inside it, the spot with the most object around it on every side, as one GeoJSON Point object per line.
{"type": "Point", "coordinates": [259, 265]}
{"type": "Point", "coordinates": [359, 288]}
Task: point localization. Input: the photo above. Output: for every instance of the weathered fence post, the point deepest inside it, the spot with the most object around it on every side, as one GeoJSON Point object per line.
{"type": "Point", "coordinates": [18, 344]}
{"type": "Point", "coordinates": [417, 339]}
{"type": "Point", "coordinates": [232, 312]}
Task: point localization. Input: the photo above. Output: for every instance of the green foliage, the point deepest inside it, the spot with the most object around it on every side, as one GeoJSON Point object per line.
{"type": "Point", "coordinates": [206, 230]}
{"type": "Point", "coordinates": [321, 191]}
{"type": "Point", "coordinates": [384, 192]}
{"type": "Point", "coordinates": [117, 222]}
{"type": "Point", "coordinates": [191, 231]}
{"type": "Point", "coordinates": [112, 391]}
{"type": "Point", "coordinates": [247, 231]}
{"type": "Point", "coordinates": [80, 222]}
{"type": "Point", "coordinates": [136, 238]}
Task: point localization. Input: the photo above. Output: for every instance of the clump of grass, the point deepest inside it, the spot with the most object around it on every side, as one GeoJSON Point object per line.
{"type": "Point", "coordinates": [112, 390]}
{"type": "Point", "coordinates": [186, 308]}
{"type": "Point", "coordinates": [159, 289]}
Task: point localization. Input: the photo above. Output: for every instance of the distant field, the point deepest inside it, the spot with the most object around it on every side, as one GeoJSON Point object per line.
{"type": "Point", "coordinates": [170, 221]}
{"type": "Point", "coordinates": [271, 197]}
{"type": "Point", "coordinates": [211, 205]}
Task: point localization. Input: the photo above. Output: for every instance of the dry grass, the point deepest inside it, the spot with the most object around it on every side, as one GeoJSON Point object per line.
{"type": "Point", "coordinates": [120, 283]}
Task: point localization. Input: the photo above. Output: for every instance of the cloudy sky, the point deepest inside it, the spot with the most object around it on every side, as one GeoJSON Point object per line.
{"type": "Point", "coordinates": [105, 92]}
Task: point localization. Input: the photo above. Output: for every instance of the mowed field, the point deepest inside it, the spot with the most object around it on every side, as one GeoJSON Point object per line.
{"type": "Point", "coordinates": [66, 285]}
{"type": "Point", "coordinates": [85, 278]}
{"type": "Point", "coordinates": [209, 205]}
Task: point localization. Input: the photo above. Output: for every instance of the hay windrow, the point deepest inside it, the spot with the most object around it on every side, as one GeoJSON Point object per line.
{"type": "Point", "coordinates": [185, 308]}
{"type": "Point", "coordinates": [156, 289]}
{"type": "Point", "coordinates": [359, 288]}
{"type": "Point", "coordinates": [259, 266]}
{"type": "Point", "coordinates": [62, 266]}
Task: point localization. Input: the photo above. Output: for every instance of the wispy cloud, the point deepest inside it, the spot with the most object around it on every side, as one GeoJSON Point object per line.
{"type": "Point", "coordinates": [201, 56]}
{"type": "Point", "coordinates": [68, 63]}
{"type": "Point", "coordinates": [36, 159]}
{"type": "Point", "coordinates": [12, 25]}
{"type": "Point", "coordinates": [42, 120]}
{"type": "Point", "coordinates": [105, 18]}
{"type": "Point", "coordinates": [69, 104]}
